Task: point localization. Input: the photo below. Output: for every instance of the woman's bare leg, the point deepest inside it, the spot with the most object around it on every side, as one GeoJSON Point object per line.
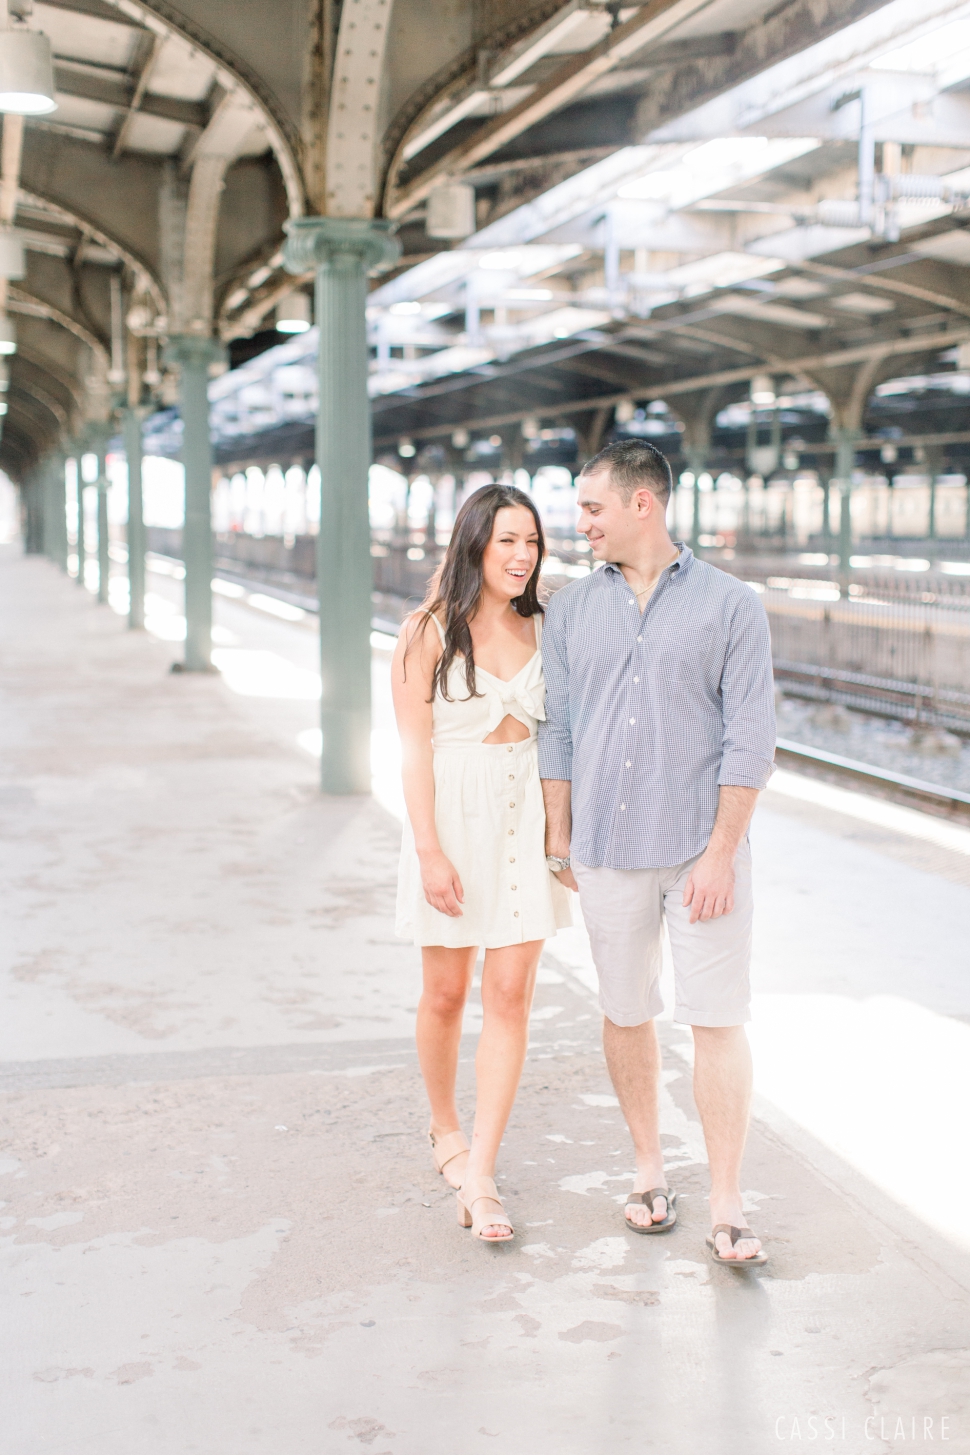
{"type": "Point", "coordinates": [508, 984]}
{"type": "Point", "coordinates": [447, 979]}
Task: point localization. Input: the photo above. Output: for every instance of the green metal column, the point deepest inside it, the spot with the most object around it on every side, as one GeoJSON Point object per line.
{"type": "Point", "coordinates": [845, 448]}
{"type": "Point", "coordinates": [342, 251]}
{"type": "Point", "coordinates": [696, 459]}
{"type": "Point", "coordinates": [193, 357]}
{"type": "Point", "coordinates": [32, 494]}
{"type": "Point", "coordinates": [59, 510]}
{"type": "Point", "coordinates": [98, 445]}
{"type": "Point", "coordinates": [81, 544]}
{"type": "Point", "coordinates": [131, 430]}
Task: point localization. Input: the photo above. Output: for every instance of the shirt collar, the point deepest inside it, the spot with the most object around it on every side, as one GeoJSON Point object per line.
{"type": "Point", "coordinates": [676, 568]}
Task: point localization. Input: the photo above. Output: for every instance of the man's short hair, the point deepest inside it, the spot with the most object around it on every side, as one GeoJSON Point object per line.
{"type": "Point", "coordinates": [633, 465]}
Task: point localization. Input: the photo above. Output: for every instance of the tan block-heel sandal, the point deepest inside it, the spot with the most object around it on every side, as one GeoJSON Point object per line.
{"type": "Point", "coordinates": [445, 1149]}
{"type": "Point", "coordinates": [474, 1191]}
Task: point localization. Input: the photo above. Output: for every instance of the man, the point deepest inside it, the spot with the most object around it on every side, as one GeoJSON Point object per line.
{"type": "Point", "coordinates": [659, 734]}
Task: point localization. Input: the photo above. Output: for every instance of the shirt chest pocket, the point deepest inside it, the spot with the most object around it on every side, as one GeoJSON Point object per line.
{"type": "Point", "coordinates": [694, 658]}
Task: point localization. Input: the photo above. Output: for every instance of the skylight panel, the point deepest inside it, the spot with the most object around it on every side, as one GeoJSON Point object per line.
{"type": "Point", "coordinates": [716, 165]}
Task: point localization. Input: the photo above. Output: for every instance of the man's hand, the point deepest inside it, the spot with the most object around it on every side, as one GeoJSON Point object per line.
{"type": "Point", "coordinates": [440, 882]}
{"type": "Point", "coordinates": [710, 889]}
{"type": "Point", "coordinates": [567, 877]}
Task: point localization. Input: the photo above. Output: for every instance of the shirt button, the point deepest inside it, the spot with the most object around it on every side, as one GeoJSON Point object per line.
{"type": "Point", "coordinates": [511, 860]}
{"type": "Point", "coordinates": [515, 886]}
{"type": "Point", "coordinates": [639, 639]}
{"type": "Point", "coordinates": [636, 679]}
{"type": "Point", "coordinates": [511, 805]}
{"type": "Point", "coordinates": [511, 832]}
{"type": "Point", "coordinates": [623, 807]}
{"type": "Point", "coordinates": [515, 914]}
{"type": "Point", "coordinates": [632, 721]}
{"type": "Point", "coordinates": [508, 750]}
{"type": "Point", "coordinates": [628, 762]}
{"type": "Point", "coordinates": [630, 602]}
{"type": "Point", "coordinates": [511, 777]}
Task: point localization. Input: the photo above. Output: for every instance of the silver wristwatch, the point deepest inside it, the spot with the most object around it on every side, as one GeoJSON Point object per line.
{"type": "Point", "coordinates": [556, 864]}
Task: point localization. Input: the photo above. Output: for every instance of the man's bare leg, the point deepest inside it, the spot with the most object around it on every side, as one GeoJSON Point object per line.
{"type": "Point", "coordinates": [722, 1091]}
{"type": "Point", "coordinates": [633, 1060]}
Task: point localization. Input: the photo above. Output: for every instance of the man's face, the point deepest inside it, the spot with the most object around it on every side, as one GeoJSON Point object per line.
{"type": "Point", "coordinates": [612, 527]}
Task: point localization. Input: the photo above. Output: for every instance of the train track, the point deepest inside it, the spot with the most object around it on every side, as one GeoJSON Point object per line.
{"type": "Point", "coordinates": [931, 798]}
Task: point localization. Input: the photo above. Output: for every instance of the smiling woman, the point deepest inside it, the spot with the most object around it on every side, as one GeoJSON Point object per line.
{"type": "Point", "coordinates": [468, 692]}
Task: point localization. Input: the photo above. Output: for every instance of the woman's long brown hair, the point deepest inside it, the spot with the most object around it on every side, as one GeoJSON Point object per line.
{"type": "Point", "coordinates": [455, 589]}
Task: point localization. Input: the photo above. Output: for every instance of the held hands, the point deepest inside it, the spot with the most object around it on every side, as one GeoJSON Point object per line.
{"type": "Point", "coordinates": [710, 889]}
{"type": "Point", "coordinates": [440, 882]}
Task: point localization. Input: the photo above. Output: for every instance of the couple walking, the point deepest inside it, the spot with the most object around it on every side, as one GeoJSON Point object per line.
{"type": "Point", "coordinates": [614, 745]}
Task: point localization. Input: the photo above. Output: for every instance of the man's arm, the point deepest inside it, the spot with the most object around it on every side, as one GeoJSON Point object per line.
{"type": "Point", "coordinates": [710, 889]}
{"type": "Point", "coordinates": [556, 742]}
{"type": "Point", "coordinates": [748, 705]}
{"type": "Point", "coordinates": [557, 794]}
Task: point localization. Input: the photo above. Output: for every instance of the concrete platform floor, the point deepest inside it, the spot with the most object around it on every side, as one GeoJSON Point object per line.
{"type": "Point", "coordinates": [221, 1232]}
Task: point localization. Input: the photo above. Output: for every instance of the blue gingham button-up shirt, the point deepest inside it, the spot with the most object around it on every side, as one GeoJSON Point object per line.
{"type": "Point", "coordinates": [650, 714]}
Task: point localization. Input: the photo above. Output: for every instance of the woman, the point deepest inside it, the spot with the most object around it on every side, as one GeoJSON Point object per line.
{"type": "Point", "coordinates": [468, 693]}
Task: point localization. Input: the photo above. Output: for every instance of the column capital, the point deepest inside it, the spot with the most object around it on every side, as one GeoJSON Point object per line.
{"type": "Point", "coordinates": [187, 348]}
{"type": "Point", "coordinates": [315, 241]}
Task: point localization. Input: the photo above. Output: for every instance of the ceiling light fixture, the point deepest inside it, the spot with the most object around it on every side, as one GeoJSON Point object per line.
{"type": "Point", "coordinates": [762, 391]}
{"type": "Point", "coordinates": [26, 72]}
{"type": "Point", "coordinates": [293, 314]}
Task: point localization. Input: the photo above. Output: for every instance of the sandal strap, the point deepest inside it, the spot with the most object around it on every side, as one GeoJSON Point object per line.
{"type": "Point", "coordinates": [735, 1234]}
{"type": "Point", "coordinates": [447, 1148]}
{"type": "Point", "coordinates": [646, 1198]}
{"type": "Point", "coordinates": [476, 1189]}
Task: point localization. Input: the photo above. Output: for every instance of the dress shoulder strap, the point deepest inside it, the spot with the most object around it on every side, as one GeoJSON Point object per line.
{"type": "Point", "coordinates": [441, 630]}
{"type": "Point", "coordinates": [538, 621]}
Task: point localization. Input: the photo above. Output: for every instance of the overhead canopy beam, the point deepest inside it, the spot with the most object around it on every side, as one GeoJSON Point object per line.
{"type": "Point", "coordinates": [164, 19]}
{"type": "Point", "coordinates": [567, 82]}
{"type": "Point", "coordinates": [85, 225]}
{"type": "Point", "coordinates": [671, 388]}
{"type": "Point", "coordinates": [148, 54]}
{"type": "Point", "coordinates": [123, 94]}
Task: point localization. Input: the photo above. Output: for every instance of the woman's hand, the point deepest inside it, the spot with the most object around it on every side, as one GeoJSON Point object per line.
{"type": "Point", "coordinates": [441, 885]}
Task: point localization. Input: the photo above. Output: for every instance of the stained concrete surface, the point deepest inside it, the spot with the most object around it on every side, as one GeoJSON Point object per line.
{"type": "Point", "coordinates": [221, 1229]}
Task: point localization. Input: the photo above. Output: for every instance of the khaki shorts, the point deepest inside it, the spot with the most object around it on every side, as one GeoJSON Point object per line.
{"type": "Point", "coordinates": [625, 910]}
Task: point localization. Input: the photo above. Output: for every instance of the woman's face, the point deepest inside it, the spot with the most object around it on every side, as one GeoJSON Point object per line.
{"type": "Point", "coordinates": [513, 552]}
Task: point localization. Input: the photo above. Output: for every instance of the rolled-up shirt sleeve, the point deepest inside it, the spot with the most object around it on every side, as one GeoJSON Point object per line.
{"type": "Point", "coordinates": [748, 699]}
{"type": "Point", "coordinates": [555, 734]}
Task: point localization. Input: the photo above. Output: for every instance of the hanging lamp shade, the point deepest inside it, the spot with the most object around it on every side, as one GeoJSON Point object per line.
{"type": "Point", "coordinates": [293, 314]}
{"type": "Point", "coordinates": [26, 73]}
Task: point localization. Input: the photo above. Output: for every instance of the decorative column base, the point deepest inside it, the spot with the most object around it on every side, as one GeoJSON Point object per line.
{"type": "Point", "coordinates": [343, 251]}
{"type": "Point", "coordinates": [193, 355]}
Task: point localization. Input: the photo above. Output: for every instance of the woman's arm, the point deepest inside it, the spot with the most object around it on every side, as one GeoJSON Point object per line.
{"type": "Point", "coordinates": [411, 687]}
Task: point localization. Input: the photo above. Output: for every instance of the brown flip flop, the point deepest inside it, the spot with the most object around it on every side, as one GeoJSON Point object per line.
{"type": "Point", "coordinates": [735, 1234]}
{"type": "Point", "coordinates": [646, 1200]}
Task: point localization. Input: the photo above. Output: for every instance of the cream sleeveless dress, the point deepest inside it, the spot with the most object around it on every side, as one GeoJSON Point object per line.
{"type": "Point", "coordinates": [490, 818]}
